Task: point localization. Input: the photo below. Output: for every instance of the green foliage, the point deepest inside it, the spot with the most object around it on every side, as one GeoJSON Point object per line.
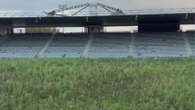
{"type": "Point", "coordinates": [97, 84]}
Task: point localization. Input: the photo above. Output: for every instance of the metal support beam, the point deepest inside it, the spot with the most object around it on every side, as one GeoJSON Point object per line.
{"type": "Point", "coordinates": [10, 30]}
{"type": "Point", "coordinates": [6, 30]}
{"type": "Point", "coordinates": [79, 11]}
{"type": "Point", "coordinates": [94, 29]}
{"type": "Point", "coordinates": [3, 31]}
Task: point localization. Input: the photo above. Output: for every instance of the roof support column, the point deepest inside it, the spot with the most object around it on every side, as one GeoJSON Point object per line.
{"type": "Point", "coordinates": [5, 30]}
{"type": "Point", "coordinates": [94, 29]}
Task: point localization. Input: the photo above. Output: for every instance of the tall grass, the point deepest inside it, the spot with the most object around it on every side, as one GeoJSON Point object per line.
{"type": "Point", "coordinates": [104, 84]}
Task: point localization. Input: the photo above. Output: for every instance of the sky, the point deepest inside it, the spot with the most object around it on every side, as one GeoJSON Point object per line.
{"type": "Point", "coordinates": [45, 5]}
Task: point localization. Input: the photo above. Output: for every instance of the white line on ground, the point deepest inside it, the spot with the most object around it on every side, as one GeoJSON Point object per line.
{"type": "Point", "coordinates": [187, 45]}
{"type": "Point", "coordinates": [45, 46]}
{"type": "Point", "coordinates": [87, 46]}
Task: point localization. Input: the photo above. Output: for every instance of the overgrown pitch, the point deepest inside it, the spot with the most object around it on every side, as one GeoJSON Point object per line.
{"type": "Point", "coordinates": [104, 84]}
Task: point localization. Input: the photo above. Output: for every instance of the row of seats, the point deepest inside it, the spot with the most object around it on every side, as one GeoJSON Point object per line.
{"type": "Point", "coordinates": [70, 46]}
{"type": "Point", "coordinates": [103, 45]}
{"type": "Point", "coordinates": [110, 46]}
{"type": "Point", "coordinates": [159, 45]}
{"type": "Point", "coordinates": [22, 46]}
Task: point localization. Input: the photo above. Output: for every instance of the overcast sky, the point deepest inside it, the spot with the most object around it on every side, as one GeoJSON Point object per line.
{"type": "Point", "coordinates": [123, 4]}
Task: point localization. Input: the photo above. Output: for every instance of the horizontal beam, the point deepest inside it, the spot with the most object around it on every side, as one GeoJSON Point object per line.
{"type": "Point", "coordinates": [83, 21]}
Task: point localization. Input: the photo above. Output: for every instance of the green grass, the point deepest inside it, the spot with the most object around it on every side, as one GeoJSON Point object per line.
{"type": "Point", "coordinates": [104, 84]}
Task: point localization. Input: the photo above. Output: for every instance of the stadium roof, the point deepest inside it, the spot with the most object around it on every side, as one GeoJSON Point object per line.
{"type": "Point", "coordinates": [87, 9]}
{"type": "Point", "coordinates": [94, 9]}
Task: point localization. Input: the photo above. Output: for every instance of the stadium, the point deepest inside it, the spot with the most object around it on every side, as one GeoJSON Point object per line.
{"type": "Point", "coordinates": [95, 56]}
{"type": "Point", "coordinates": [28, 36]}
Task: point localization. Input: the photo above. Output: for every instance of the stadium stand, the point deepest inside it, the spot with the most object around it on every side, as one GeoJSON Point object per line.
{"type": "Point", "coordinates": [110, 46]}
{"type": "Point", "coordinates": [22, 46]}
{"type": "Point", "coordinates": [159, 45]}
{"type": "Point", "coordinates": [103, 45]}
{"type": "Point", "coordinates": [70, 45]}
